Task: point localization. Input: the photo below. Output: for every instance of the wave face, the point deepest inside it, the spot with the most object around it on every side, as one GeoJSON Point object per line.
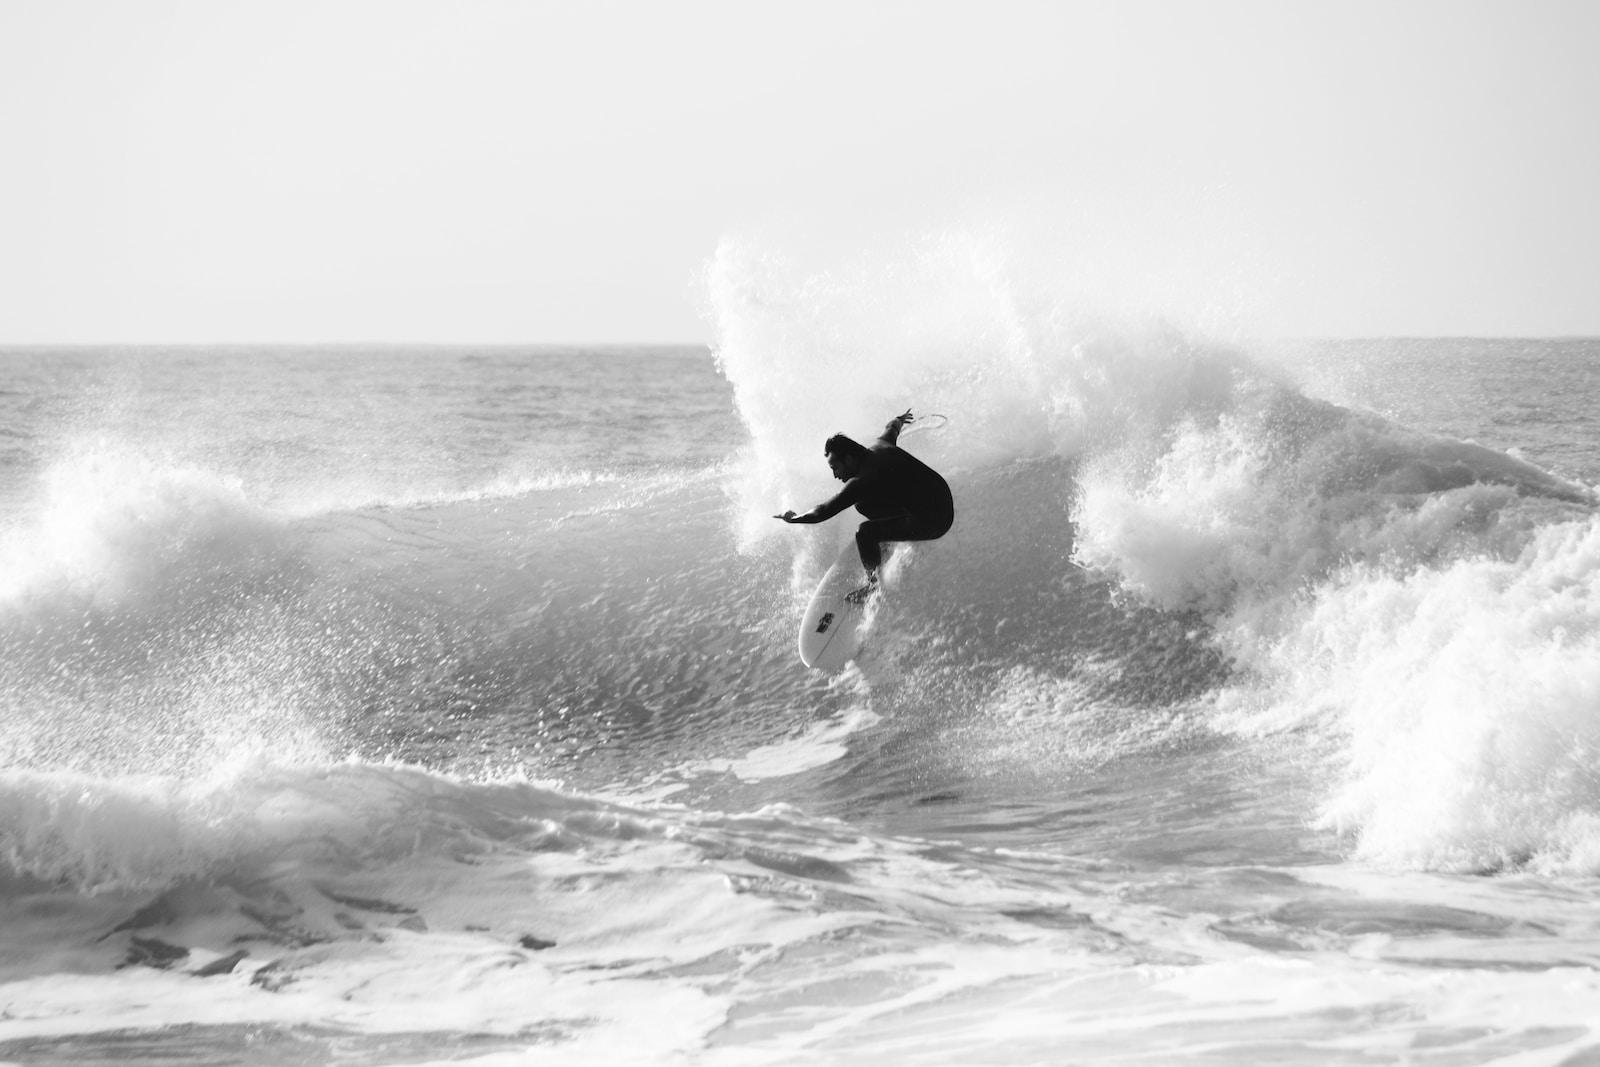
{"type": "Point", "coordinates": [472, 663]}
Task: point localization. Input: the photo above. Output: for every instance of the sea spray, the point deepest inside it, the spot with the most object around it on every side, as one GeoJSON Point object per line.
{"type": "Point", "coordinates": [844, 350]}
{"type": "Point", "coordinates": [119, 532]}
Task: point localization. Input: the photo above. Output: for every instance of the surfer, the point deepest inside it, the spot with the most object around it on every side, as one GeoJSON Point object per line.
{"type": "Point", "coordinates": [902, 497]}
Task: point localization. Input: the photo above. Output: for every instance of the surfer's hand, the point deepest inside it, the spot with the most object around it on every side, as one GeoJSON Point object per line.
{"type": "Point", "coordinates": [787, 516]}
{"type": "Point", "coordinates": [907, 417]}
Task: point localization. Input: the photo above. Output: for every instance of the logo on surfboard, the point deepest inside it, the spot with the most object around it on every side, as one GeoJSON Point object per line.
{"type": "Point", "coordinates": [825, 622]}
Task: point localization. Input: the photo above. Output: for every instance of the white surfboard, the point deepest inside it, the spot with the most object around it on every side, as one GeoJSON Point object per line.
{"type": "Point", "coordinates": [833, 629]}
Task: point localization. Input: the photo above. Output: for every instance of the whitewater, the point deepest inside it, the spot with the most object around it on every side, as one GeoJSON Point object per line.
{"type": "Point", "coordinates": [403, 705]}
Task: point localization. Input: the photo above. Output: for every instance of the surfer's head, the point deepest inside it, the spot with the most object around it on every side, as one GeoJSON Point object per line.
{"type": "Point", "coordinates": [844, 456]}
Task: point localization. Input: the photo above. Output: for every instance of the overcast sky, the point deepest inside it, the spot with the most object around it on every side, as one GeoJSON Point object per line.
{"type": "Point", "coordinates": [537, 171]}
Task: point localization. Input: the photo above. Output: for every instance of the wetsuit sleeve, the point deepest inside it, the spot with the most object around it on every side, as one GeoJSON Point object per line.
{"type": "Point", "coordinates": [850, 494]}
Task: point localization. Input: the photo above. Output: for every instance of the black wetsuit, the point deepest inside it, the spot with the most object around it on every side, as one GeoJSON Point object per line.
{"type": "Point", "coordinates": [902, 497]}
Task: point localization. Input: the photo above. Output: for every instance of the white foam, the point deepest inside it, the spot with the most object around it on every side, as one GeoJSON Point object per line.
{"type": "Point", "coordinates": [1468, 695]}
{"type": "Point", "coordinates": [819, 744]}
{"type": "Point", "coordinates": [406, 910]}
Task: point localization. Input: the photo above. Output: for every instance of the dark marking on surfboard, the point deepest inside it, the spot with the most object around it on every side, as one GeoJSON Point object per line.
{"type": "Point", "coordinates": [826, 621]}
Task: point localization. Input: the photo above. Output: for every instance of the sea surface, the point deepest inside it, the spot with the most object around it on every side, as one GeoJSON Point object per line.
{"type": "Point", "coordinates": [398, 705]}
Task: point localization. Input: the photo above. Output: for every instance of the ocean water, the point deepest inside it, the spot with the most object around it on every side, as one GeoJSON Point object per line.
{"type": "Point", "coordinates": [395, 705]}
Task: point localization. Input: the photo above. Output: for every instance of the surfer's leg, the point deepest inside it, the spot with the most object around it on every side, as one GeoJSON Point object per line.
{"type": "Point", "coordinates": [873, 534]}
{"type": "Point", "coordinates": [870, 536]}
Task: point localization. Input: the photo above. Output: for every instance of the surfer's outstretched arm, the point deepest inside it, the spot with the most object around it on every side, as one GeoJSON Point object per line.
{"type": "Point", "coordinates": [820, 513]}
{"type": "Point", "coordinates": [825, 511]}
{"type": "Point", "coordinates": [891, 432]}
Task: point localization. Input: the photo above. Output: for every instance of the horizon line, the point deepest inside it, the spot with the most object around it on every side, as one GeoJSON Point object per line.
{"type": "Point", "coordinates": [397, 344]}
{"type": "Point", "coordinates": [13, 345]}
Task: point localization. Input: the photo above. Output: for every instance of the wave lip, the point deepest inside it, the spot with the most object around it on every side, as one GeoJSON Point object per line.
{"type": "Point", "coordinates": [1424, 606]}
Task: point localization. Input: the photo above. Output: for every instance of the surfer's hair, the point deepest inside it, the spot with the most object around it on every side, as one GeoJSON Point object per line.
{"type": "Point", "coordinates": [841, 445]}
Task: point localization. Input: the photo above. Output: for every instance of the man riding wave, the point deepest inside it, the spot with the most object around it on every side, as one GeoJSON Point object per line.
{"type": "Point", "coordinates": [902, 497]}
